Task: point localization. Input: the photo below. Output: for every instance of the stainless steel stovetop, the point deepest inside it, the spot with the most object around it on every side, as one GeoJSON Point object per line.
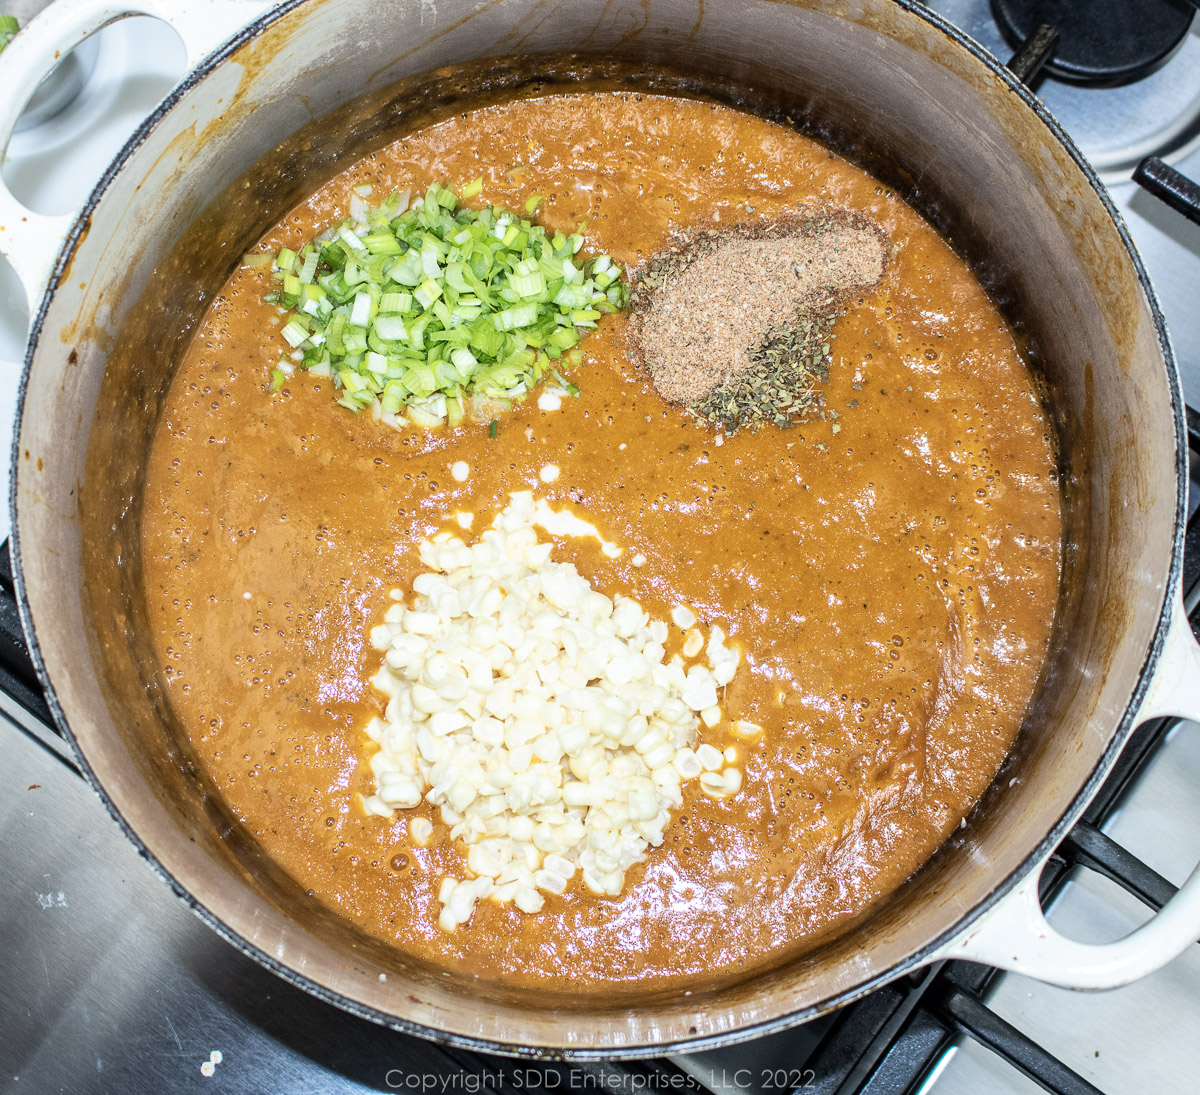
{"type": "Point", "coordinates": [111, 985]}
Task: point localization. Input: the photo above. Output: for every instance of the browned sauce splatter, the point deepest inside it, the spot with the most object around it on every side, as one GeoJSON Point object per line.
{"type": "Point", "coordinates": [893, 582]}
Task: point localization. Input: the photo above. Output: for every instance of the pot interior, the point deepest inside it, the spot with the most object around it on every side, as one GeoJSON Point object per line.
{"type": "Point", "coordinates": [879, 83]}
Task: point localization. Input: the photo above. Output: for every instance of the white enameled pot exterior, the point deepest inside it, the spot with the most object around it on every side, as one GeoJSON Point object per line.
{"type": "Point", "coordinates": [886, 82]}
{"type": "Point", "coordinates": [32, 241]}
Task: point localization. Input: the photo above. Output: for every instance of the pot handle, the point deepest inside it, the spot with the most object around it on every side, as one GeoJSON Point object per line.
{"type": "Point", "coordinates": [1014, 934]}
{"type": "Point", "coordinates": [31, 241]}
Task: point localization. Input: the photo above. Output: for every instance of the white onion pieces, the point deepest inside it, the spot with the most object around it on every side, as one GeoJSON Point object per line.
{"type": "Point", "coordinates": [538, 716]}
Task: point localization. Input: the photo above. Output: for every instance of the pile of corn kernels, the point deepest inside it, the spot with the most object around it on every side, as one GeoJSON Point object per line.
{"type": "Point", "coordinates": [539, 716]}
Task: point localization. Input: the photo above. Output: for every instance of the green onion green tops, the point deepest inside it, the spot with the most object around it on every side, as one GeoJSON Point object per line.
{"type": "Point", "coordinates": [8, 29]}
{"type": "Point", "coordinates": [422, 311]}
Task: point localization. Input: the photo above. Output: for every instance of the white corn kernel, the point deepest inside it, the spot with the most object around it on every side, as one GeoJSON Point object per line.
{"type": "Point", "coordinates": [529, 900]}
{"type": "Point", "coordinates": [420, 623]}
{"type": "Point", "coordinates": [700, 695]}
{"type": "Point", "coordinates": [686, 764]}
{"type": "Point", "coordinates": [559, 865]}
{"type": "Point", "coordinates": [550, 881]}
{"type": "Point", "coordinates": [375, 806]}
{"type": "Point", "coordinates": [683, 616]}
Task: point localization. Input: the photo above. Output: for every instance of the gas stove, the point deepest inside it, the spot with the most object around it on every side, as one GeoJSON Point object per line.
{"type": "Point", "coordinates": [113, 986]}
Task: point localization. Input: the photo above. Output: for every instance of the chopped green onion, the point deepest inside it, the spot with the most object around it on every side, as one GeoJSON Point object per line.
{"type": "Point", "coordinates": [411, 309]}
{"type": "Point", "coordinates": [351, 381]}
{"type": "Point", "coordinates": [360, 314]}
{"type": "Point", "coordinates": [585, 317]}
{"type": "Point", "coordinates": [278, 379]}
{"type": "Point", "coordinates": [533, 203]}
{"type": "Point", "coordinates": [294, 331]}
{"type": "Point", "coordinates": [492, 429]}
{"type": "Point", "coordinates": [393, 397]}
{"type": "Point", "coordinates": [351, 240]}
{"type": "Point", "coordinates": [382, 243]}
{"type": "Point", "coordinates": [423, 416]}
{"type": "Point", "coordinates": [427, 292]}
{"type": "Point", "coordinates": [395, 302]}
{"type": "Point", "coordinates": [562, 338]}
{"type": "Point", "coordinates": [520, 316]}
{"type": "Point", "coordinates": [8, 29]}
{"type": "Point", "coordinates": [529, 285]}
{"type": "Point", "coordinates": [391, 328]}
{"type": "Point", "coordinates": [260, 258]}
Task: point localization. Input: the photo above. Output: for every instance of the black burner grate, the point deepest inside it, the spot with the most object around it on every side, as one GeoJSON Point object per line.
{"type": "Point", "coordinates": [18, 680]}
{"type": "Point", "coordinates": [1101, 43]}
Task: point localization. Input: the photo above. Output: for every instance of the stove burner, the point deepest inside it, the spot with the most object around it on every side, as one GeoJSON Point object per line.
{"type": "Point", "coordinates": [1102, 43]}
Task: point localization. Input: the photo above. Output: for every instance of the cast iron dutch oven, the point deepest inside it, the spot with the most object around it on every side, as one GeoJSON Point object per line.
{"type": "Point", "coordinates": [116, 290]}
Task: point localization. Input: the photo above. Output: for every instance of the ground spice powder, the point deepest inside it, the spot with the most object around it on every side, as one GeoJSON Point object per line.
{"type": "Point", "coordinates": [735, 324]}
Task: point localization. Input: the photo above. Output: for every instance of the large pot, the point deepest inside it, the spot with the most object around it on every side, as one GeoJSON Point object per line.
{"type": "Point", "coordinates": [116, 291]}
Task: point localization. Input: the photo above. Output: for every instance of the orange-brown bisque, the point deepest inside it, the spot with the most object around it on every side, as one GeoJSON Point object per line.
{"type": "Point", "coordinates": [891, 574]}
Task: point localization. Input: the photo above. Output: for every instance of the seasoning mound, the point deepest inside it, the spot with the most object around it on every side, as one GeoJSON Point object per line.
{"type": "Point", "coordinates": [734, 324]}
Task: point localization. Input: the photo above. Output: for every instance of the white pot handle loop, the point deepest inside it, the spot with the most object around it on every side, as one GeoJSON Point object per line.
{"type": "Point", "coordinates": [31, 241]}
{"type": "Point", "coordinates": [1015, 935]}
